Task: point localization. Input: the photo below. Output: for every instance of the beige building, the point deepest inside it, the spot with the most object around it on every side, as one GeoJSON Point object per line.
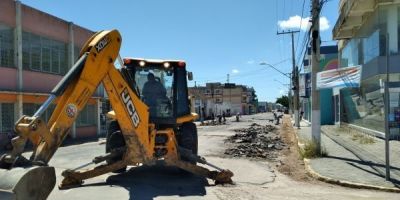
{"type": "Point", "coordinates": [216, 98]}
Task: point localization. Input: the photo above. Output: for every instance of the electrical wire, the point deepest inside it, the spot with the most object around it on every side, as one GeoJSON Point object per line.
{"type": "Point", "coordinates": [306, 40]}
{"type": "Point", "coordinates": [246, 74]}
{"type": "Point", "coordinates": [301, 23]}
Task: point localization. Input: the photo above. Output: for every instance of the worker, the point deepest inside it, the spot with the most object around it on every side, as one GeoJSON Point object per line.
{"type": "Point", "coordinates": [152, 91]}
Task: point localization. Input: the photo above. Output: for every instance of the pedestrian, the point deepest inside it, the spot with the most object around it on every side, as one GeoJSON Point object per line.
{"type": "Point", "coordinates": [301, 115]}
{"type": "Point", "coordinates": [278, 114]}
{"type": "Point", "coordinates": [223, 117]}
{"type": "Point", "coordinates": [202, 114]}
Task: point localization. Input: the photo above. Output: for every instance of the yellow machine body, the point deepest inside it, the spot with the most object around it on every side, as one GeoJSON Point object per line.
{"type": "Point", "coordinates": [95, 66]}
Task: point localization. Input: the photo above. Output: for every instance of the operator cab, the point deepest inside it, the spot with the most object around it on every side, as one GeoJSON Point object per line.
{"type": "Point", "coordinates": [161, 85]}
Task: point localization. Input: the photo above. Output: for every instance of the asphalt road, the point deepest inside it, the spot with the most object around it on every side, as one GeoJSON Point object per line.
{"type": "Point", "coordinates": [254, 179]}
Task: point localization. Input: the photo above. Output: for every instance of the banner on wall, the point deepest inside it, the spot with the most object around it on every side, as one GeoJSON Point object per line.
{"type": "Point", "coordinates": [343, 77]}
{"type": "Point", "coordinates": [305, 85]}
{"type": "Point", "coordinates": [302, 85]}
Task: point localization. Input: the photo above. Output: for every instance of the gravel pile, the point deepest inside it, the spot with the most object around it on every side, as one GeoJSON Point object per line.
{"type": "Point", "coordinates": [257, 141]}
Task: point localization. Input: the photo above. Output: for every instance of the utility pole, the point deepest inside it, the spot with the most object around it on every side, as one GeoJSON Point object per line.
{"type": "Point", "coordinates": [290, 95]}
{"type": "Point", "coordinates": [387, 111]}
{"type": "Point", "coordinates": [230, 93]}
{"type": "Point", "coordinates": [315, 53]}
{"type": "Point", "coordinates": [295, 80]}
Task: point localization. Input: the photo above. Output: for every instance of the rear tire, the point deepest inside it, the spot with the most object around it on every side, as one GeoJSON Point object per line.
{"type": "Point", "coordinates": [114, 140]}
{"type": "Point", "coordinates": [188, 138]}
{"type": "Point", "coordinates": [112, 127]}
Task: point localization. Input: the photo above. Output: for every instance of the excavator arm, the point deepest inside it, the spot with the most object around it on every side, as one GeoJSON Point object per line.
{"type": "Point", "coordinates": [71, 94]}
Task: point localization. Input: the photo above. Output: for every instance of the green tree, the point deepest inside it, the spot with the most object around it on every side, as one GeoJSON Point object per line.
{"type": "Point", "coordinates": [284, 100]}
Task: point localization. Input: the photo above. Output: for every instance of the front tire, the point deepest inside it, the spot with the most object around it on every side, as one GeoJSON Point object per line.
{"type": "Point", "coordinates": [188, 138]}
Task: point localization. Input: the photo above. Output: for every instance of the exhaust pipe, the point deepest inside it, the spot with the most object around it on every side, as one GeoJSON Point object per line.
{"type": "Point", "coordinates": [31, 183]}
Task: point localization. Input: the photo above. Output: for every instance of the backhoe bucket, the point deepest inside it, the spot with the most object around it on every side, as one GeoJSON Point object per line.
{"type": "Point", "coordinates": [34, 183]}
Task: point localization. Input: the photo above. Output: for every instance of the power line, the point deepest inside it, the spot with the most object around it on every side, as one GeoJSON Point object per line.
{"type": "Point", "coordinates": [306, 40]}
{"type": "Point", "coordinates": [301, 23]}
{"type": "Point", "coordinates": [246, 73]}
{"type": "Point", "coordinates": [303, 51]}
{"type": "Point", "coordinates": [276, 13]}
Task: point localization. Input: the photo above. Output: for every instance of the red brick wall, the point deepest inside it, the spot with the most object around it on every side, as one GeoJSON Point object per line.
{"type": "Point", "coordinates": [7, 14]}
{"type": "Point", "coordinates": [81, 35]}
{"type": "Point", "coordinates": [87, 131]}
{"type": "Point", "coordinates": [41, 23]}
{"type": "Point", "coordinates": [8, 78]}
{"type": "Point", "coordinates": [39, 82]}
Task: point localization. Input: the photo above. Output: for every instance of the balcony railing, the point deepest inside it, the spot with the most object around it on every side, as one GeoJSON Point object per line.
{"type": "Point", "coordinates": [351, 16]}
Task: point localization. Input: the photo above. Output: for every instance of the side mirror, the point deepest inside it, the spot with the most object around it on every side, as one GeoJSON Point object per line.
{"type": "Point", "coordinates": [190, 76]}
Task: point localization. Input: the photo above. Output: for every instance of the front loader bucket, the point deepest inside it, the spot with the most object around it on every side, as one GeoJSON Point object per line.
{"type": "Point", "coordinates": [34, 183]}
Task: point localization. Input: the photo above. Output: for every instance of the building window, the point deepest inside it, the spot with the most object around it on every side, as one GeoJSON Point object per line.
{"type": "Point", "coordinates": [35, 53]}
{"type": "Point", "coordinates": [55, 57]}
{"type": "Point", "coordinates": [6, 46]}
{"type": "Point", "coordinates": [87, 117]}
{"type": "Point", "coordinates": [6, 117]}
{"type": "Point", "coordinates": [44, 54]}
{"type": "Point", "coordinates": [218, 100]}
{"type": "Point", "coordinates": [30, 109]}
{"type": "Point", "coordinates": [77, 50]}
{"type": "Point", "coordinates": [218, 91]}
{"type": "Point", "coordinates": [207, 91]}
{"type": "Point", "coordinates": [371, 47]}
{"type": "Point", "coordinates": [63, 59]}
{"type": "Point", "coordinates": [349, 55]}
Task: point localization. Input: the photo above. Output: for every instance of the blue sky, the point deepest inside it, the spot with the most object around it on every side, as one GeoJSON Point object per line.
{"type": "Point", "coordinates": [215, 37]}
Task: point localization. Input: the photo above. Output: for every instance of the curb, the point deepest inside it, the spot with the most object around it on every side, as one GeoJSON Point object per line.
{"type": "Point", "coordinates": [326, 179]}
{"type": "Point", "coordinates": [350, 184]}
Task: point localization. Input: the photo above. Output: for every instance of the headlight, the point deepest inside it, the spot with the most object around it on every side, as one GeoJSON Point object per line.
{"type": "Point", "coordinates": [166, 65]}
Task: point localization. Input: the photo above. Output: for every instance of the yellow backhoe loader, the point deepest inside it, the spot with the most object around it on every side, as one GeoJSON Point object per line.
{"type": "Point", "coordinates": [151, 122]}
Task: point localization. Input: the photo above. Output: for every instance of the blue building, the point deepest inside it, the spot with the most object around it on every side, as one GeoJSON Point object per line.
{"type": "Point", "coordinates": [329, 101]}
{"type": "Point", "coordinates": [363, 29]}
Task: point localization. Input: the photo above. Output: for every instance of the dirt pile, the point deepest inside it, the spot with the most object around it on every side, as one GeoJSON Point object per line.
{"type": "Point", "coordinates": [256, 141]}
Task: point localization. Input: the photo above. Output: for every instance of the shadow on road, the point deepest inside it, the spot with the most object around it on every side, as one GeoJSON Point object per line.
{"type": "Point", "coordinates": [150, 182]}
{"type": "Point", "coordinates": [370, 164]}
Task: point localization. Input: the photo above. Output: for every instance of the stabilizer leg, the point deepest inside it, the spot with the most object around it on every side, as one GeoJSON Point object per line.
{"type": "Point", "coordinates": [220, 176]}
{"type": "Point", "coordinates": [75, 178]}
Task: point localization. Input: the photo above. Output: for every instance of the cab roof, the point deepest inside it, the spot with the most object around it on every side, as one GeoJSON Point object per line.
{"type": "Point", "coordinates": [153, 60]}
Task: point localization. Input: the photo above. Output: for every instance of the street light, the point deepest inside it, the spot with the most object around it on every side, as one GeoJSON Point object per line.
{"type": "Point", "coordinates": [288, 75]}
{"type": "Point", "coordinates": [269, 65]}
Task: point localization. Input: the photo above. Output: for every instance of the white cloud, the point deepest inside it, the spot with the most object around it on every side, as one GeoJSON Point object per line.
{"type": "Point", "coordinates": [282, 91]}
{"type": "Point", "coordinates": [235, 71]}
{"type": "Point", "coordinates": [323, 23]}
{"type": "Point", "coordinates": [250, 62]}
{"type": "Point", "coordinates": [294, 22]}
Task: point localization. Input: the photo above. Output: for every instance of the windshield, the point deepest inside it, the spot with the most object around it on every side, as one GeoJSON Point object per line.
{"type": "Point", "coordinates": [155, 87]}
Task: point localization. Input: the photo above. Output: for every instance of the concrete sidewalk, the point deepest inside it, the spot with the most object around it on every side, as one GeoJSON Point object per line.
{"type": "Point", "coordinates": [351, 161]}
